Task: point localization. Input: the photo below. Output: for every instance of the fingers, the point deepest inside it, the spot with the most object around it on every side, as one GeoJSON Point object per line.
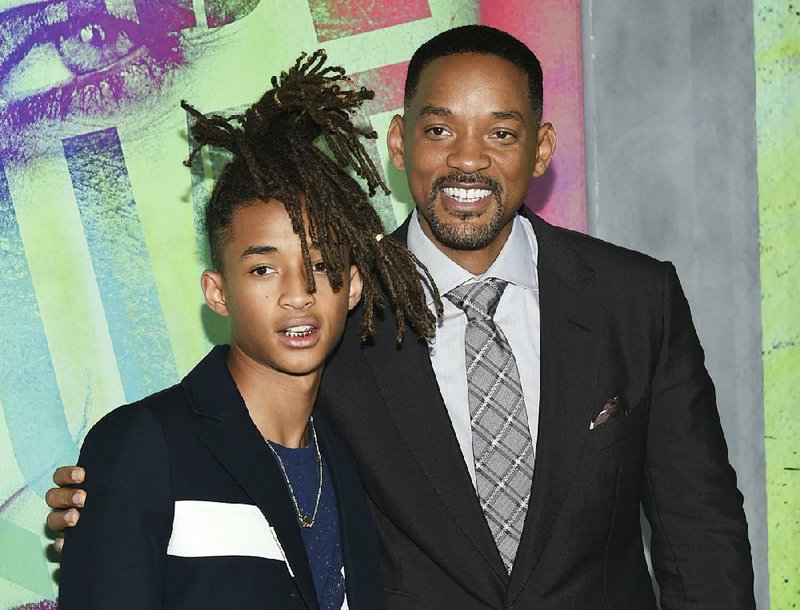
{"type": "Point", "coordinates": [59, 520]}
{"type": "Point", "coordinates": [65, 498]}
{"type": "Point", "coordinates": [68, 475]}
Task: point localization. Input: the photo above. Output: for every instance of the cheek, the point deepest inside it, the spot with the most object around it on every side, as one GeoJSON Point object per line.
{"type": "Point", "coordinates": [252, 308]}
{"type": "Point", "coordinates": [516, 174]}
{"type": "Point", "coordinates": [339, 310]}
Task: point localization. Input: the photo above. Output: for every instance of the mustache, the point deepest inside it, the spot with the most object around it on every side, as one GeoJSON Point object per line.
{"type": "Point", "coordinates": [490, 183]}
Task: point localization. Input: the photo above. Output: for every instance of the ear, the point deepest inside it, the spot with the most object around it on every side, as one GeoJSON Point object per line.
{"type": "Point", "coordinates": [395, 140]}
{"type": "Point", "coordinates": [546, 147]}
{"type": "Point", "coordinates": [356, 285]}
{"type": "Point", "coordinates": [214, 291]}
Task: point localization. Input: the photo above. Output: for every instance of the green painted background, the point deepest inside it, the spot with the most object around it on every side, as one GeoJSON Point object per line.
{"type": "Point", "coordinates": [777, 59]}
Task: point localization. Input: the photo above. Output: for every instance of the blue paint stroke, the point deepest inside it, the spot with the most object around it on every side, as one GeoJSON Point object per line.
{"type": "Point", "coordinates": [29, 395]}
{"type": "Point", "coordinates": [121, 263]}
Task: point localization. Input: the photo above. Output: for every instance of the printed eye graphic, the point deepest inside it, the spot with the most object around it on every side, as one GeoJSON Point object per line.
{"type": "Point", "coordinates": [95, 46]}
{"type": "Point", "coordinates": [62, 61]}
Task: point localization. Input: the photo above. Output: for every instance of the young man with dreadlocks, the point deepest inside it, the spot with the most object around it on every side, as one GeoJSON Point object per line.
{"type": "Point", "coordinates": [233, 495]}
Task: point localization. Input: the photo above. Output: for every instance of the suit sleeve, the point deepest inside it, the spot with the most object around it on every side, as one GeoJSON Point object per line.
{"type": "Point", "coordinates": [700, 550]}
{"type": "Point", "coordinates": [115, 556]}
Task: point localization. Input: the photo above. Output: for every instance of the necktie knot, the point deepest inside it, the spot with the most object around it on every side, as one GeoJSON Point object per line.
{"type": "Point", "coordinates": [479, 299]}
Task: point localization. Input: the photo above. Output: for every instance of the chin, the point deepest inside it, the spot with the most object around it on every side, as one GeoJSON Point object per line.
{"type": "Point", "coordinates": [459, 237]}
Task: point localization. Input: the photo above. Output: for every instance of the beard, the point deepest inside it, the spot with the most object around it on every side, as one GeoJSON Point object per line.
{"type": "Point", "coordinates": [464, 235]}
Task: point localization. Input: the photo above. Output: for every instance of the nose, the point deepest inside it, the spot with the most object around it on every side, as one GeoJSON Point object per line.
{"type": "Point", "coordinates": [294, 290]}
{"type": "Point", "coordinates": [469, 155]}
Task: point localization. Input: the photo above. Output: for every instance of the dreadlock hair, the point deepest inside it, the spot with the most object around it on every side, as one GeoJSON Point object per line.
{"type": "Point", "coordinates": [275, 156]}
{"type": "Point", "coordinates": [480, 39]}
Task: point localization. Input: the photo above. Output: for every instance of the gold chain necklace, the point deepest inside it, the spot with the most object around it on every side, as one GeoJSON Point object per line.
{"type": "Point", "coordinates": [302, 519]}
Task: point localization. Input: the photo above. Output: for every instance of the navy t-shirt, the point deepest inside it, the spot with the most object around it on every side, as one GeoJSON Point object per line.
{"type": "Point", "coordinates": [323, 540]}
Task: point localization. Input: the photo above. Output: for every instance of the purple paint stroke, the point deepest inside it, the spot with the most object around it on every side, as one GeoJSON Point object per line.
{"type": "Point", "coordinates": [111, 61]}
{"type": "Point", "coordinates": [42, 605]}
{"type": "Point", "coordinates": [13, 498]}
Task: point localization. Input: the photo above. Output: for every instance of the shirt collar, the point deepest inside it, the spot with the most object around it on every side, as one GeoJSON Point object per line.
{"type": "Point", "coordinates": [515, 264]}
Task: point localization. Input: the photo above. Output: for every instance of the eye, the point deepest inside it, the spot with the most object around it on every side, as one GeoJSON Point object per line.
{"type": "Point", "coordinates": [437, 132]}
{"type": "Point", "coordinates": [66, 60]}
{"type": "Point", "coordinates": [262, 270]}
{"type": "Point", "coordinates": [97, 45]}
{"type": "Point", "coordinates": [504, 135]}
{"type": "Point", "coordinates": [319, 267]}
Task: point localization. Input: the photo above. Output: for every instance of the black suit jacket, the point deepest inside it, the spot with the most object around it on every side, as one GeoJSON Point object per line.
{"type": "Point", "coordinates": [196, 442]}
{"type": "Point", "coordinates": [614, 323]}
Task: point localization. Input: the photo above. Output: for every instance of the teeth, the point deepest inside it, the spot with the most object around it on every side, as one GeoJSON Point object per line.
{"type": "Point", "coordinates": [466, 195]}
{"type": "Point", "coordinates": [298, 331]}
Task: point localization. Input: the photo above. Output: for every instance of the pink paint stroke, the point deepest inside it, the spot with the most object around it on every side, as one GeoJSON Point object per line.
{"type": "Point", "coordinates": [552, 28]}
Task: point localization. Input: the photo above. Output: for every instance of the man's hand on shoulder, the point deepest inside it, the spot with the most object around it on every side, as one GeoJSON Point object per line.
{"type": "Point", "coordinates": [65, 501]}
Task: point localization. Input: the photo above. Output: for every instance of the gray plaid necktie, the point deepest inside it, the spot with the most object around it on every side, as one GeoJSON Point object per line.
{"type": "Point", "coordinates": [501, 438]}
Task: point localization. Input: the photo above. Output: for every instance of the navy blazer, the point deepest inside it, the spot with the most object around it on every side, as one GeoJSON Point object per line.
{"type": "Point", "coordinates": [186, 508]}
{"type": "Point", "coordinates": [614, 324]}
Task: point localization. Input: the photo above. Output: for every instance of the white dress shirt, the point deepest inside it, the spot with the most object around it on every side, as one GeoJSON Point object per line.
{"type": "Point", "coordinates": [517, 316]}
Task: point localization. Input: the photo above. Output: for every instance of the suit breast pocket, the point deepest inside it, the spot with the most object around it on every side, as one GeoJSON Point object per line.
{"type": "Point", "coordinates": [622, 429]}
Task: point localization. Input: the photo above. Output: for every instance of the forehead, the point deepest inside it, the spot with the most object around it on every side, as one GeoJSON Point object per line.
{"type": "Point", "coordinates": [263, 223]}
{"type": "Point", "coordinates": [489, 80]}
{"type": "Point", "coordinates": [259, 217]}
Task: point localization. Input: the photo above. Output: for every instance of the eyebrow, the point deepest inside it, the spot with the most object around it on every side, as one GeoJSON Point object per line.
{"type": "Point", "coordinates": [435, 111]}
{"type": "Point", "coordinates": [497, 114]}
{"type": "Point", "coordinates": [508, 114]}
{"type": "Point", "coordinates": [253, 250]}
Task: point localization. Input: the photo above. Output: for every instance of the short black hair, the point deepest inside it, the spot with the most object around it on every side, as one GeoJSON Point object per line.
{"type": "Point", "coordinates": [477, 39]}
{"type": "Point", "coordinates": [295, 145]}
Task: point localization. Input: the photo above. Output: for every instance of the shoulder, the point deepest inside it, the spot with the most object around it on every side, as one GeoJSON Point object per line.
{"type": "Point", "coordinates": [597, 252]}
{"type": "Point", "coordinates": [135, 427]}
{"type": "Point", "coordinates": [611, 266]}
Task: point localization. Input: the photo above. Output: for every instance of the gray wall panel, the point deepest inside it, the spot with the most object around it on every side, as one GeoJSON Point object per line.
{"type": "Point", "coordinates": [671, 162]}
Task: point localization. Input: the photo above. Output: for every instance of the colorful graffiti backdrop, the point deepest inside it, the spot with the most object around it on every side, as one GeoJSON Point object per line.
{"type": "Point", "coordinates": [98, 216]}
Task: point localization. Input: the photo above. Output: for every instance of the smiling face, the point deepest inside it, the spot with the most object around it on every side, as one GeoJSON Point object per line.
{"type": "Point", "coordinates": [276, 323]}
{"type": "Point", "coordinates": [469, 144]}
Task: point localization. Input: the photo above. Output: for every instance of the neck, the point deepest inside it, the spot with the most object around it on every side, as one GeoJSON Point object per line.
{"type": "Point", "coordinates": [475, 261]}
{"type": "Point", "coordinates": [279, 404]}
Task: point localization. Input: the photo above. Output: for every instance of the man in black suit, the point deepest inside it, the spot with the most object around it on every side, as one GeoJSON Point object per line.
{"type": "Point", "coordinates": [602, 382]}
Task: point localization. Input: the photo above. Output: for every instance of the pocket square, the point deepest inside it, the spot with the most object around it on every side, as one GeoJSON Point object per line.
{"type": "Point", "coordinates": [613, 408]}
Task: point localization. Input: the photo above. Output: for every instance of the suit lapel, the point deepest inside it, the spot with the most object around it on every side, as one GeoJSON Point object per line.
{"type": "Point", "coordinates": [360, 552]}
{"type": "Point", "coordinates": [572, 332]}
{"type": "Point", "coordinates": [408, 384]}
{"type": "Point", "coordinates": [406, 380]}
{"type": "Point", "coordinates": [229, 433]}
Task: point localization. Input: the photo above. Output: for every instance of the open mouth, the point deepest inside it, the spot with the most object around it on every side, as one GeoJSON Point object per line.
{"type": "Point", "coordinates": [463, 195]}
{"type": "Point", "coordinates": [298, 332]}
